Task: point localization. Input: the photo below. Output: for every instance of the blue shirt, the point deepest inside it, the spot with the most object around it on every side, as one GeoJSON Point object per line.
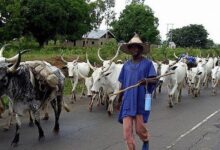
{"type": "Point", "coordinates": [133, 99]}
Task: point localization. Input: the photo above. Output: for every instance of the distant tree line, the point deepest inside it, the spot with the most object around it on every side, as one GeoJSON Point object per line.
{"type": "Point", "coordinates": [46, 20]}
{"type": "Point", "coordinates": [195, 36]}
{"type": "Point", "coordinates": [49, 19]}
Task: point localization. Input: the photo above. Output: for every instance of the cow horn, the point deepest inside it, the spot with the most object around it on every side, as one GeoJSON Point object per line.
{"type": "Point", "coordinates": [116, 55]}
{"type": "Point", "coordinates": [14, 58]}
{"type": "Point", "coordinates": [88, 62]}
{"type": "Point", "coordinates": [208, 55]}
{"type": "Point", "coordinates": [16, 65]}
{"type": "Point", "coordinates": [99, 55]}
{"type": "Point", "coordinates": [174, 54]}
{"type": "Point", "coordinates": [63, 58]}
{"type": "Point", "coordinates": [200, 54]}
{"type": "Point", "coordinates": [158, 62]}
{"type": "Point", "coordinates": [76, 59]}
{"type": "Point", "coordinates": [2, 49]}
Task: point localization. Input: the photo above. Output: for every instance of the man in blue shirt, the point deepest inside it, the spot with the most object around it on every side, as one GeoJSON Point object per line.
{"type": "Point", "coordinates": [132, 110]}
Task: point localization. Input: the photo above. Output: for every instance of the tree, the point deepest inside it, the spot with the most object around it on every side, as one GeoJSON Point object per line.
{"type": "Point", "coordinates": [45, 19]}
{"type": "Point", "coordinates": [136, 18]}
{"type": "Point", "coordinates": [138, 1]}
{"type": "Point", "coordinates": [109, 13]}
{"type": "Point", "coordinates": [190, 36]}
{"type": "Point", "coordinates": [210, 43]}
{"type": "Point", "coordinates": [10, 28]}
{"type": "Point", "coordinates": [98, 10]}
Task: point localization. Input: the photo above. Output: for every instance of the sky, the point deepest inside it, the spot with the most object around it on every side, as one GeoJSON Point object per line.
{"type": "Point", "coordinates": [182, 13]}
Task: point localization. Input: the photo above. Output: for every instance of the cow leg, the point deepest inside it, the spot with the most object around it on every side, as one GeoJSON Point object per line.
{"type": "Point", "coordinates": [40, 130]}
{"type": "Point", "coordinates": [45, 110]}
{"type": "Point", "coordinates": [8, 120]}
{"type": "Point", "coordinates": [160, 86]}
{"type": "Point", "coordinates": [104, 97]}
{"type": "Point", "coordinates": [31, 121]}
{"type": "Point", "coordinates": [189, 89]}
{"type": "Point", "coordinates": [91, 102]}
{"type": "Point", "coordinates": [197, 89]}
{"type": "Point", "coordinates": [1, 108]}
{"type": "Point", "coordinates": [83, 90]}
{"type": "Point", "coordinates": [17, 133]}
{"type": "Point", "coordinates": [110, 106]}
{"type": "Point", "coordinates": [179, 92]}
{"type": "Point", "coordinates": [74, 83]}
{"type": "Point", "coordinates": [36, 113]}
{"type": "Point", "coordinates": [170, 101]}
{"type": "Point", "coordinates": [172, 94]}
{"type": "Point", "coordinates": [73, 97]}
{"type": "Point", "coordinates": [106, 102]}
{"type": "Point", "coordinates": [204, 81]}
{"type": "Point", "coordinates": [57, 107]}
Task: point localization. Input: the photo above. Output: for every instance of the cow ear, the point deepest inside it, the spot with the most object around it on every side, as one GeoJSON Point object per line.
{"type": "Point", "coordinates": [173, 68]}
{"type": "Point", "coordinates": [199, 73]}
{"type": "Point", "coordinates": [107, 74]}
{"type": "Point", "coordinates": [64, 67]}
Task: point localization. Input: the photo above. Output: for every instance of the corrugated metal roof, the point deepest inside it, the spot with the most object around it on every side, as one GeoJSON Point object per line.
{"type": "Point", "coordinates": [96, 34]}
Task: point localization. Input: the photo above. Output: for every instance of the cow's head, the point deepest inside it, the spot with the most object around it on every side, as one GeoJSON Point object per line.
{"type": "Point", "coordinates": [105, 71]}
{"type": "Point", "coordinates": [6, 70]}
{"type": "Point", "coordinates": [71, 66]}
{"type": "Point", "coordinates": [195, 74]}
{"type": "Point", "coordinates": [99, 79]}
{"type": "Point", "coordinates": [164, 68]}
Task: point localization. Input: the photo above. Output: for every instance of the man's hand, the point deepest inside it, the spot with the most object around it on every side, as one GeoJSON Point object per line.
{"type": "Point", "coordinates": [148, 80]}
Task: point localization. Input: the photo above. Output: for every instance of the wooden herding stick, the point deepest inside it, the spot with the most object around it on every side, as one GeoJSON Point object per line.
{"type": "Point", "coordinates": [138, 84]}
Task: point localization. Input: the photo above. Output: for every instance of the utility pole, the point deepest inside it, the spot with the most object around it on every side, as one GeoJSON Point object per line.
{"type": "Point", "coordinates": [170, 29]}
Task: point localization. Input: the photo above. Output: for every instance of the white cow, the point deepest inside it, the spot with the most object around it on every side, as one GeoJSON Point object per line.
{"type": "Point", "coordinates": [108, 79]}
{"type": "Point", "coordinates": [208, 69]}
{"type": "Point", "coordinates": [73, 72]}
{"type": "Point", "coordinates": [163, 67]}
{"type": "Point", "coordinates": [197, 76]}
{"type": "Point", "coordinates": [215, 78]}
{"type": "Point", "coordinates": [175, 81]}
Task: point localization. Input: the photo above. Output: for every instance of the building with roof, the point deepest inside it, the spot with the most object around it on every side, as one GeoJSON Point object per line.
{"type": "Point", "coordinates": [93, 39]}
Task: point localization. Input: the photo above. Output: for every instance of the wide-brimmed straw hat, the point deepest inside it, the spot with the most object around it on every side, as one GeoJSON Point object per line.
{"type": "Point", "coordinates": [135, 40]}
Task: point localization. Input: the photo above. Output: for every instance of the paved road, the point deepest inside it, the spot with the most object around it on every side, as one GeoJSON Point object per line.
{"type": "Point", "coordinates": [196, 119]}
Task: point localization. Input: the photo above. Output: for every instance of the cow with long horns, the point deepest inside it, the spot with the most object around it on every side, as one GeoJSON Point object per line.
{"type": "Point", "coordinates": [108, 79]}
{"type": "Point", "coordinates": [73, 72]}
{"type": "Point", "coordinates": [15, 82]}
{"type": "Point", "coordinates": [8, 60]}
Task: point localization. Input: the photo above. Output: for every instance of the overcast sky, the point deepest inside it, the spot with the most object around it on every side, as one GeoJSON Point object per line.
{"type": "Point", "coordinates": [182, 13]}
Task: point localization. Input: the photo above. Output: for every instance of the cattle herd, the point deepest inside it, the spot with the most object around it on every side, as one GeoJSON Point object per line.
{"type": "Point", "coordinates": [30, 86]}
